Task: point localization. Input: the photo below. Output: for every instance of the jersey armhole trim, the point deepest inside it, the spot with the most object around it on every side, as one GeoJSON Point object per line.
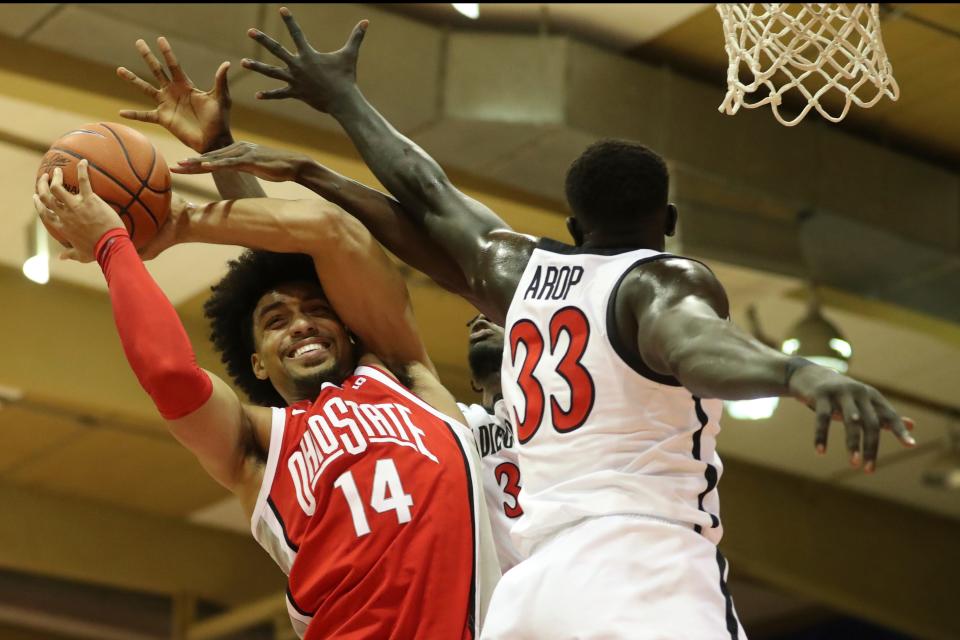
{"type": "Point", "coordinates": [383, 378]}
{"type": "Point", "coordinates": [613, 333]}
{"type": "Point", "coordinates": [277, 424]}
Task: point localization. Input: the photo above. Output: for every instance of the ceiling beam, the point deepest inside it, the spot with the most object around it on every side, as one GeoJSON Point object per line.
{"type": "Point", "coordinates": [79, 540]}
{"type": "Point", "coordinates": [869, 557]}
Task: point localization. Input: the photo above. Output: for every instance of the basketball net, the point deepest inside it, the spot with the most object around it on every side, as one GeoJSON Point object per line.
{"type": "Point", "coordinates": [826, 52]}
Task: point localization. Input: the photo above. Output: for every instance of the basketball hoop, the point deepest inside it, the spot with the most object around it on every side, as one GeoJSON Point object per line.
{"type": "Point", "coordinates": [828, 53]}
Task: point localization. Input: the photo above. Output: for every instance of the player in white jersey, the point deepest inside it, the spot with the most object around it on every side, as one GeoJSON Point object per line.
{"type": "Point", "coordinates": [617, 357]}
{"type": "Point", "coordinates": [493, 432]}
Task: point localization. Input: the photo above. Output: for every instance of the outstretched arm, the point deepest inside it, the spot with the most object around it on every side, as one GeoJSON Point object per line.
{"type": "Point", "coordinates": [380, 213]}
{"type": "Point", "coordinates": [682, 330]}
{"type": "Point", "coordinates": [199, 119]}
{"type": "Point", "coordinates": [482, 244]}
{"type": "Point", "coordinates": [363, 286]}
{"type": "Point", "coordinates": [201, 411]}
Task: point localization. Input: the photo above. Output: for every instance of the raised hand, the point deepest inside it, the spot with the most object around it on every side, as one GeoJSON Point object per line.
{"type": "Point", "coordinates": [862, 409]}
{"type": "Point", "coordinates": [82, 219]}
{"type": "Point", "coordinates": [275, 165]}
{"type": "Point", "coordinates": [199, 119]}
{"type": "Point", "coordinates": [319, 79]}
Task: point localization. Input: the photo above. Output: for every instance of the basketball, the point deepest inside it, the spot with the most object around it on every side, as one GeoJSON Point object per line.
{"type": "Point", "coordinates": [125, 170]}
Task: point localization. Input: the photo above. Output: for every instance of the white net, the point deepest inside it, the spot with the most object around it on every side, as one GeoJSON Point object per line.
{"type": "Point", "coordinates": [831, 54]}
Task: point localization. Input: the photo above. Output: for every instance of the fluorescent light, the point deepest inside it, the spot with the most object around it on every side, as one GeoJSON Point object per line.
{"type": "Point", "coordinates": [37, 268]}
{"type": "Point", "coordinates": [756, 409]}
{"type": "Point", "coordinates": [469, 9]}
{"type": "Point", "coordinates": [790, 346]}
{"type": "Point", "coordinates": [842, 347]}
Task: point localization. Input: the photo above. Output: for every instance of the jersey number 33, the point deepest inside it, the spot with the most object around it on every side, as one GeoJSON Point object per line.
{"type": "Point", "coordinates": [572, 322]}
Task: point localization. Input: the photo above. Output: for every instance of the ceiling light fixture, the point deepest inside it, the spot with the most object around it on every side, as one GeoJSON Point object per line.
{"type": "Point", "coordinates": [757, 408]}
{"type": "Point", "coordinates": [818, 340]}
{"type": "Point", "coordinates": [814, 338]}
{"type": "Point", "coordinates": [469, 9]}
{"type": "Point", "coordinates": [37, 266]}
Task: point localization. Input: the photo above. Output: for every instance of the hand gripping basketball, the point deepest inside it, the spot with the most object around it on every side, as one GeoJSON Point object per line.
{"type": "Point", "coordinates": [125, 170]}
{"type": "Point", "coordinates": [319, 79]}
{"type": "Point", "coordinates": [81, 219]}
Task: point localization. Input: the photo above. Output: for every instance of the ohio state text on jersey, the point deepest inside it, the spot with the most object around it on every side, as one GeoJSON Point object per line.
{"type": "Point", "coordinates": [368, 505]}
{"type": "Point", "coordinates": [599, 434]}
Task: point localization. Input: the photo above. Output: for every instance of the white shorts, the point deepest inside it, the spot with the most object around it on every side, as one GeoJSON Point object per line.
{"type": "Point", "coordinates": [628, 577]}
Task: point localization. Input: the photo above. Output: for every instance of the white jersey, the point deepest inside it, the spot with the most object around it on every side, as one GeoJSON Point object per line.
{"type": "Point", "coordinates": [499, 473]}
{"type": "Point", "coordinates": [599, 433]}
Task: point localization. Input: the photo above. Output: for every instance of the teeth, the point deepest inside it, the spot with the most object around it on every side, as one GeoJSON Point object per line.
{"type": "Point", "coordinates": [307, 348]}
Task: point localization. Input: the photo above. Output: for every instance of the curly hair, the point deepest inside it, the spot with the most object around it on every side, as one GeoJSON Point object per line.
{"type": "Point", "coordinates": [616, 183]}
{"type": "Point", "coordinates": [230, 312]}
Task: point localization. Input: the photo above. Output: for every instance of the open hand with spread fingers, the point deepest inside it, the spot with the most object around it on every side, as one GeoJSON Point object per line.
{"type": "Point", "coordinates": [199, 119]}
{"type": "Point", "coordinates": [321, 80]}
{"type": "Point", "coordinates": [82, 219]}
{"type": "Point", "coordinates": [862, 409]}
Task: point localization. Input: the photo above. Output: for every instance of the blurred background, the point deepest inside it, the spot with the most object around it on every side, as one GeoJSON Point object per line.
{"type": "Point", "coordinates": [841, 241]}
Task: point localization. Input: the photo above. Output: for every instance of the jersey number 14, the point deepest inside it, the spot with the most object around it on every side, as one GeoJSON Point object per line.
{"type": "Point", "coordinates": [573, 322]}
{"type": "Point", "coordinates": [388, 495]}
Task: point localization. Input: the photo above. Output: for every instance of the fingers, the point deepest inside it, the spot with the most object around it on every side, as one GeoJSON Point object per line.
{"type": "Point", "coordinates": [145, 87]}
{"type": "Point", "coordinates": [235, 149]}
{"type": "Point", "coordinates": [851, 424]}
{"type": "Point", "coordinates": [824, 409]}
{"type": "Point", "coordinates": [143, 116]}
{"type": "Point", "coordinates": [275, 94]}
{"type": "Point", "coordinates": [58, 190]}
{"type": "Point", "coordinates": [207, 162]}
{"type": "Point", "coordinates": [203, 165]}
{"type": "Point", "coordinates": [871, 432]}
{"type": "Point", "coordinates": [295, 32]}
{"type": "Point", "coordinates": [48, 216]}
{"type": "Point", "coordinates": [356, 38]}
{"type": "Point", "coordinates": [190, 169]}
{"type": "Point", "coordinates": [901, 427]}
{"type": "Point", "coordinates": [270, 44]}
{"type": "Point", "coordinates": [155, 67]}
{"type": "Point", "coordinates": [176, 72]}
{"type": "Point", "coordinates": [83, 179]}
{"type": "Point", "coordinates": [268, 70]}
{"type": "Point", "coordinates": [221, 88]}
{"type": "Point", "coordinates": [43, 193]}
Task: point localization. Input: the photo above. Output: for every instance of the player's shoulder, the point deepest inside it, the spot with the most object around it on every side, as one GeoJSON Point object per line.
{"type": "Point", "coordinates": [671, 277]}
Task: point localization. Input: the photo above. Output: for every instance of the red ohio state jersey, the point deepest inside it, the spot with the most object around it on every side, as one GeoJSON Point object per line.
{"type": "Point", "coordinates": [368, 505]}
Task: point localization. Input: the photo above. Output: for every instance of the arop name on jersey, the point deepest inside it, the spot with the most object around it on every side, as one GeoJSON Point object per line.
{"type": "Point", "coordinates": [347, 427]}
{"type": "Point", "coordinates": [555, 284]}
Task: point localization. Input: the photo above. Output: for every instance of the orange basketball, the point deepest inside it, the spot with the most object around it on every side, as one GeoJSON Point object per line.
{"type": "Point", "coordinates": [125, 170]}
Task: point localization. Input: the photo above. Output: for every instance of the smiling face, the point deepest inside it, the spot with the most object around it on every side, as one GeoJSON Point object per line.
{"type": "Point", "coordinates": [300, 342]}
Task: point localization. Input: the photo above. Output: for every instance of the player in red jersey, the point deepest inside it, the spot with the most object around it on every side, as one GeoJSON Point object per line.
{"type": "Point", "coordinates": [360, 486]}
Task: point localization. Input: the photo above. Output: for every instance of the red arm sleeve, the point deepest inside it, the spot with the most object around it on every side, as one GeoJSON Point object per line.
{"type": "Point", "coordinates": [153, 337]}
